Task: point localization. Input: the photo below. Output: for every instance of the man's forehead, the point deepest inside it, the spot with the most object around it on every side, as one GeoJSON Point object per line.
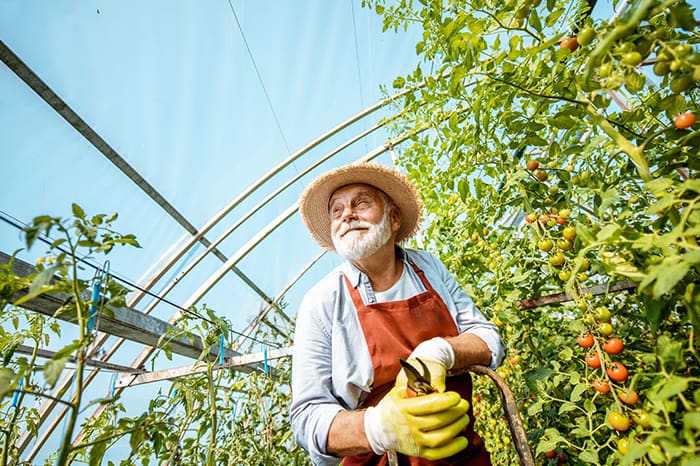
{"type": "Point", "coordinates": [355, 189]}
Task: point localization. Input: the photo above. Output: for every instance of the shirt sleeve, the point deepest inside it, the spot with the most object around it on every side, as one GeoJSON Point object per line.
{"type": "Point", "coordinates": [469, 318]}
{"type": "Point", "coordinates": [313, 405]}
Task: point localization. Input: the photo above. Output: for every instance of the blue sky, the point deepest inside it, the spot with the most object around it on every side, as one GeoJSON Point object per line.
{"type": "Point", "coordinates": [171, 86]}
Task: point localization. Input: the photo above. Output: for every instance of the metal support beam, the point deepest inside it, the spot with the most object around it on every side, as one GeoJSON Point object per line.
{"type": "Point", "coordinates": [182, 371]}
{"type": "Point", "coordinates": [125, 322]}
{"type": "Point", "coordinates": [47, 354]}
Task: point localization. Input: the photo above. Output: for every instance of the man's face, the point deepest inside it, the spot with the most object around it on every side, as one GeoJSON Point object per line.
{"type": "Point", "coordinates": [360, 225]}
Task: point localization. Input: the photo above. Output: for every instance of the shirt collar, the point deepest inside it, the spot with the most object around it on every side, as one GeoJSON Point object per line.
{"type": "Point", "coordinates": [356, 276]}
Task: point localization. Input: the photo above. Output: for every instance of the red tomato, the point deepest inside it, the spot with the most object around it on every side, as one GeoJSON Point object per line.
{"type": "Point", "coordinates": [550, 453]}
{"type": "Point", "coordinates": [570, 43]}
{"type": "Point", "coordinates": [601, 386]}
{"type": "Point", "coordinates": [617, 372]}
{"type": "Point", "coordinates": [613, 346]}
{"type": "Point", "coordinates": [593, 359]}
{"type": "Point", "coordinates": [532, 164]}
{"type": "Point", "coordinates": [627, 397]}
{"type": "Point", "coordinates": [586, 340]}
{"type": "Point", "coordinates": [685, 120]}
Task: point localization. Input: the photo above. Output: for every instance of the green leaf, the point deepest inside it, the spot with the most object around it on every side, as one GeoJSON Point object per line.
{"type": "Point", "coordinates": [664, 203]}
{"type": "Point", "coordinates": [545, 445]}
{"type": "Point", "coordinates": [589, 456]}
{"type": "Point", "coordinates": [567, 407]}
{"type": "Point", "coordinates": [97, 451]}
{"type": "Point", "coordinates": [634, 82]}
{"type": "Point", "coordinates": [540, 373]}
{"type": "Point", "coordinates": [53, 369]}
{"type": "Point", "coordinates": [671, 387]}
{"type": "Point", "coordinates": [691, 420]}
{"type": "Point", "coordinates": [669, 277]}
{"type": "Point", "coordinates": [576, 393]}
{"type": "Point", "coordinates": [610, 231]}
{"type": "Point", "coordinates": [78, 211]}
{"type": "Point", "coordinates": [659, 186]}
{"type": "Point", "coordinates": [608, 197]}
{"type": "Point", "coordinates": [7, 376]}
{"type": "Point", "coordinates": [585, 233]}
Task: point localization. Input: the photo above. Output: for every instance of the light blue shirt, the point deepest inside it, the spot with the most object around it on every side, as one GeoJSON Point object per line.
{"type": "Point", "coordinates": [331, 365]}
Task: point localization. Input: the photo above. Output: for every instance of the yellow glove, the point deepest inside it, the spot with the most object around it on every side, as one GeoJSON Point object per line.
{"type": "Point", "coordinates": [438, 356]}
{"type": "Point", "coordinates": [425, 426]}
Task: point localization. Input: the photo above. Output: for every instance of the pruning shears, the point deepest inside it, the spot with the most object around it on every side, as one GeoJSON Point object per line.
{"type": "Point", "coordinates": [418, 382]}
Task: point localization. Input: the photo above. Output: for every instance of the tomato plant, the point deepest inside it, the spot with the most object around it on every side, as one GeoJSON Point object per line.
{"type": "Point", "coordinates": [491, 91]}
{"type": "Point", "coordinates": [215, 417]}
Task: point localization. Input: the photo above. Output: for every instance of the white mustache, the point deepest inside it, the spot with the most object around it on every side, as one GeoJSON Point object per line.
{"type": "Point", "coordinates": [353, 224]}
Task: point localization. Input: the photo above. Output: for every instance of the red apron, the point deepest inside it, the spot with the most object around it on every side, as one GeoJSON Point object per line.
{"type": "Point", "coordinates": [392, 330]}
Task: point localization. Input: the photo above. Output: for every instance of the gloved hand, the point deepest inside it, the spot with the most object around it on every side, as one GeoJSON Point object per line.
{"type": "Point", "coordinates": [425, 426]}
{"type": "Point", "coordinates": [438, 355]}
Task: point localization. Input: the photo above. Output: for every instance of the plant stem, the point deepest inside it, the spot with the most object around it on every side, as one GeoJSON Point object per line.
{"type": "Point", "coordinates": [66, 444]}
{"type": "Point", "coordinates": [633, 152]}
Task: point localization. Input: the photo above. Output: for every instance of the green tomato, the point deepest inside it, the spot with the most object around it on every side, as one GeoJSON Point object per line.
{"type": "Point", "coordinates": [661, 68]}
{"type": "Point", "coordinates": [626, 47]}
{"type": "Point", "coordinates": [676, 65]}
{"type": "Point", "coordinates": [664, 54]}
{"type": "Point", "coordinates": [545, 244]}
{"type": "Point", "coordinates": [681, 83]}
{"type": "Point", "coordinates": [585, 36]}
{"type": "Point", "coordinates": [682, 50]}
{"type": "Point", "coordinates": [557, 259]}
{"type": "Point", "coordinates": [605, 70]}
{"type": "Point", "coordinates": [605, 329]}
{"type": "Point", "coordinates": [632, 58]}
{"type": "Point", "coordinates": [602, 314]}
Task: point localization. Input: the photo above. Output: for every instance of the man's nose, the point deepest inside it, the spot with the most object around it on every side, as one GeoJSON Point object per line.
{"type": "Point", "coordinates": [348, 213]}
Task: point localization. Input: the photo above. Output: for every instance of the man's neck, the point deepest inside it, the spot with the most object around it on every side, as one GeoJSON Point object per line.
{"type": "Point", "coordinates": [383, 268]}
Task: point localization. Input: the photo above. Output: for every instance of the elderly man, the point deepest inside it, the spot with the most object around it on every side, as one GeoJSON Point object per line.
{"type": "Point", "coordinates": [383, 304]}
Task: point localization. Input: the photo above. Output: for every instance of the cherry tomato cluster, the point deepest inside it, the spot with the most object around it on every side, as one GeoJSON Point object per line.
{"type": "Point", "coordinates": [557, 238]}
{"type": "Point", "coordinates": [680, 62]}
{"type": "Point", "coordinates": [601, 349]}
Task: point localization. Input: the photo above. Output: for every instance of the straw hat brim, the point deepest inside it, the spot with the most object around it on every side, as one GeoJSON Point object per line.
{"type": "Point", "coordinates": [313, 205]}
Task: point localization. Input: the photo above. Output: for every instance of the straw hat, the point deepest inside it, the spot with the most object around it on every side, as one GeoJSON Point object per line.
{"type": "Point", "coordinates": [313, 204]}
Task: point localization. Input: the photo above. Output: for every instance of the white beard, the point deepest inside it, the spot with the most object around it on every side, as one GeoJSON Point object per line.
{"type": "Point", "coordinates": [356, 245]}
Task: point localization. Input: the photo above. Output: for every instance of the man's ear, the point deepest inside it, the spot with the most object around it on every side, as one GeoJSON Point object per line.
{"type": "Point", "coordinates": [395, 217]}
